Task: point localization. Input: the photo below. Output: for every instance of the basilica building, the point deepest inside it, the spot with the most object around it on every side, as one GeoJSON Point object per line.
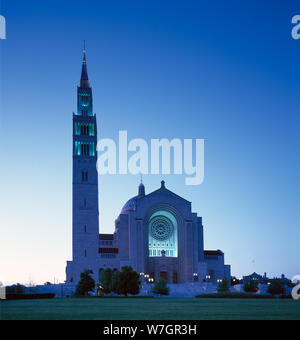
{"type": "Point", "coordinates": [157, 234]}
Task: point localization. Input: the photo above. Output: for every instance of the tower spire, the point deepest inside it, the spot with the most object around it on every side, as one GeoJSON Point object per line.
{"type": "Point", "coordinates": [84, 80]}
{"type": "Point", "coordinates": [141, 189]}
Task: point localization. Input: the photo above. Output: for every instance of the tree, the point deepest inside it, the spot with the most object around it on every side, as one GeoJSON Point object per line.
{"type": "Point", "coordinates": [86, 283]}
{"type": "Point", "coordinates": [126, 282]}
{"type": "Point", "coordinates": [223, 286]}
{"type": "Point", "coordinates": [16, 289]}
{"type": "Point", "coordinates": [106, 280]}
{"type": "Point", "coordinates": [276, 287]}
{"type": "Point", "coordinates": [251, 286]}
{"type": "Point", "coordinates": [160, 287]}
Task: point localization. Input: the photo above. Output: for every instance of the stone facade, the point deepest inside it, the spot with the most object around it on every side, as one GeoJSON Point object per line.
{"type": "Point", "coordinates": [156, 234]}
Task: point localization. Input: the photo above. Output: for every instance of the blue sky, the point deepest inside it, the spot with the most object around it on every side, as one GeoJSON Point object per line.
{"type": "Point", "coordinates": [225, 71]}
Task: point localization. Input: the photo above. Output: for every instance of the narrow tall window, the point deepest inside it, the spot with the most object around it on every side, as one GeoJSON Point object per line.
{"type": "Point", "coordinates": [92, 130]}
{"type": "Point", "coordinates": [92, 149]}
{"type": "Point", "coordinates": [84, 176]}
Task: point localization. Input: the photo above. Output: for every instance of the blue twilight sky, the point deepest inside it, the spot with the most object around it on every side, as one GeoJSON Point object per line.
{"type": "Point", "coordinates": [225, 71]}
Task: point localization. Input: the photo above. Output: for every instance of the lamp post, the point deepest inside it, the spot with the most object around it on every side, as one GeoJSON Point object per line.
{"type": "Point", "coordinates": [142, 276]}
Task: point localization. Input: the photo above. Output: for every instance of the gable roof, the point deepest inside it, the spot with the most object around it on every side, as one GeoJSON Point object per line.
{"type": "Point", "coordinates": [164, 190]}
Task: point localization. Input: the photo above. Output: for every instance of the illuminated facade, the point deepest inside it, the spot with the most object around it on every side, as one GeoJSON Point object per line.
{"type": "Point", "coordinates": [163, 234]}
{"type": "Point", "coordinates": [156, 233]}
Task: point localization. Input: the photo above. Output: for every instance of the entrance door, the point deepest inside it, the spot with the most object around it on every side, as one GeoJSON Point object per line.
{"type": "Point", "coordinates": [164, 275]}
{"type": "Point", "coordinates": [175, 277]}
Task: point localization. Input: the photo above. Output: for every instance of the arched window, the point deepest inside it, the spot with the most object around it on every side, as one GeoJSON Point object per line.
{"type": "Point", "coordinates": [85, 228]}
{"type": "Point", "coordinates": [163, 234]}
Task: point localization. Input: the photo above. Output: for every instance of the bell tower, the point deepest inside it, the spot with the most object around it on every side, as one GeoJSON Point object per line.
{"type": "Point", "coordinates": [85, 177]}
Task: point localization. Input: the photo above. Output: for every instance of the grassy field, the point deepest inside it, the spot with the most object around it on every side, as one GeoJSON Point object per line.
{"type": "Point", "coordinates": [148, 309]}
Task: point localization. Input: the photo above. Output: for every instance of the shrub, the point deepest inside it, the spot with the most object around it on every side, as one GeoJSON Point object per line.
{"type": "Point", "coordinates": [160, 287]}
{"type": "Point", "coordinates": [251, 286]}
{"type": "Point", "coordinates": [106, 280]}
{"type": "Point", "coordinates": [15, 289]}
{"type": "Point", "coordinates": [126, 282]}
{"type": "Point", "coordinates": [223, 286]}
{"type": "Point", "coordinates": [86, 283]}
{"type": "Point", "coordinates": [276, 287]}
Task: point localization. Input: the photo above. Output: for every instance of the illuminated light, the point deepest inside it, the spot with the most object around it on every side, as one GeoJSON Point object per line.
{"type": "Point", "coordinates": [163, 234]}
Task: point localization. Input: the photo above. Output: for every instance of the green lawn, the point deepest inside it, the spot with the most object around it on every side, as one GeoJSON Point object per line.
{"type": "Point", "coordinates": [148, 309]}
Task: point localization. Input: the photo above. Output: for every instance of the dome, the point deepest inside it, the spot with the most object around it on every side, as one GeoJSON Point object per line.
{"type": "Point", "coordinates": [129, 205]}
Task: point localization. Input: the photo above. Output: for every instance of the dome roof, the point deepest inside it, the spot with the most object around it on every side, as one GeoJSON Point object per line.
{"type": "Point", "coordinates": [129, 205]}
